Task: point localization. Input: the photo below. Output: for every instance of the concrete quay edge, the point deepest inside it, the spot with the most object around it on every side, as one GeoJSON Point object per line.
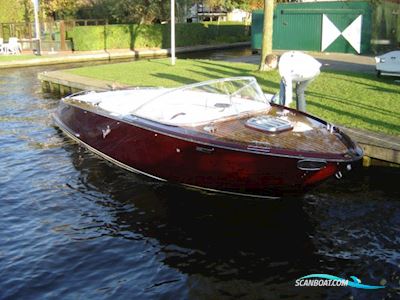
{"type": "Point", "coordinates": [112, 55]}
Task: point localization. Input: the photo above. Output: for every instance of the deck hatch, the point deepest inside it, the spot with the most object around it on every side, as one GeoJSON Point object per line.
{"type": "Point", "coordinates": [269, 124]}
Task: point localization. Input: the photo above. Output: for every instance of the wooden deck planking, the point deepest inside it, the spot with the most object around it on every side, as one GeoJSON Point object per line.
{"type": "Point", "coordinates": [236, 130]}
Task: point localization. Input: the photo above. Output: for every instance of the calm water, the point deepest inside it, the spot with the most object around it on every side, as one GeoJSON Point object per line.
{"type": "Point", "coordinates": [73, 226]}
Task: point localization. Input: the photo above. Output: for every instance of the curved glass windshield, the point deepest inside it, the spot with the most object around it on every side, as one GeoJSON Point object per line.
{"type": "Point", "coordinates": [205, 102]}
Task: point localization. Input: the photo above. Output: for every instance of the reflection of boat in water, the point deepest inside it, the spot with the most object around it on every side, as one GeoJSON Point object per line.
{"type": "Point", "coordinates": [208, 237]}
{"type": "Point", "coordinates": [218, 135]}
{"type": "Point", "coordinates": [212, 246]}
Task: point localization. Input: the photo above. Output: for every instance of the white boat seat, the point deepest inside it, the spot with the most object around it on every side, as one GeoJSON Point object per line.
{"type": "Point", "coordinates": [185, 108]}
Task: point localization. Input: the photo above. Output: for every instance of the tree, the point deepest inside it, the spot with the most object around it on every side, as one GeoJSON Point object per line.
{"type": "Point", "coordinates": [267, 33]}
{"type": "Point", "coordinates": [232, 4]}
{"type": "Point", "coordinates": [61, 9]}
{"type": "Point", "coordinates": [246, 5]}
{"type": "Point", "coordinates": [182, 9]}
{"type": "Point", "coordinates": [11, 11]}
{"type": "Point", "coordinates": [134, 11]}
{"type": "Point", "coordinates": [214, 3]}
{"type": "Point", "coordinates": [256, 4]}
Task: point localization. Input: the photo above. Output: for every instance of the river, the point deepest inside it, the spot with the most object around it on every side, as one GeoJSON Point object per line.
{"type": "Point", "coordinates": [73, 226]}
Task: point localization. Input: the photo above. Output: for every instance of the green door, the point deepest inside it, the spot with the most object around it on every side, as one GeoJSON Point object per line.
{"type": "Point", "coordinates": [300, 26]}
{"type": "Point", "coordinates": [294, 29]}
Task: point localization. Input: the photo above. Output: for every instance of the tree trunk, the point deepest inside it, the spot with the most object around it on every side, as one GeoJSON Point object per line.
{"type": "Point", "coordinates": [266, 48]}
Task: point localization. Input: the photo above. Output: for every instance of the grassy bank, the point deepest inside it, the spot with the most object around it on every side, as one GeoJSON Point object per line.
{"type": "Point", "coordinates": [7, 58]}
{"type": "Point", "coordinates": [349, 99]}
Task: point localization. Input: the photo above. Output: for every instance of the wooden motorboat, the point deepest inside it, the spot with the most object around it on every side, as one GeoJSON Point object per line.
{"type": "Point", "coordinates": [220, 135]}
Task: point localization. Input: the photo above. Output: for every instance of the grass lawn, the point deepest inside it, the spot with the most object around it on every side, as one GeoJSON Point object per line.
{"type": "Point", "coordinates": [9, 58]}
{"type": "Point", "coordinates": [350, 99]}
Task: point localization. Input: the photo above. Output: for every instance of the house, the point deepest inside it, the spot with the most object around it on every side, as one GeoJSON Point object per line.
{"type": "Point", "coordinates": [200, 12]}
{"type": "Point", "coordinates": [239, 15]}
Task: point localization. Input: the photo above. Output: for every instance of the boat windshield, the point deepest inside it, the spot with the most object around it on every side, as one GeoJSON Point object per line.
{"type": "Point", "coordinates": [205, 102]}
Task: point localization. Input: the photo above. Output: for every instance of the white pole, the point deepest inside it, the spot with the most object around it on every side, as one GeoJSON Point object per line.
{"type": "Point", "coordinates": [173, 58]}
{"type": "Point", "coordinates": [37, 28]}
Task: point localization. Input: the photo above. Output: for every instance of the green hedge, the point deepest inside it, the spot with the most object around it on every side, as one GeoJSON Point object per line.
{"type": "Point", "coordinates": [155, 36]}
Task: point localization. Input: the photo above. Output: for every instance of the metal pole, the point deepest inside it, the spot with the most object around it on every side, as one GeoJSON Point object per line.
{"type": "Point", "coordinates": [37, 25]}
{"type": "Point", "coordinates": [173, 58]}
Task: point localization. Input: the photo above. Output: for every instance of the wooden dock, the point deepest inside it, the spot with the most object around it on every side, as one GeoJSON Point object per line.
{"type": "Point", "coordinates": [379, 149]}
{"type": "Point", "coordinates": [377, 146]}
{"type": "Point", "coordinates": [62, 83]}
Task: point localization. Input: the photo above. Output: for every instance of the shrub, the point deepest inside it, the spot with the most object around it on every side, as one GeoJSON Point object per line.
{"type": "Point", "coordinates": [155, 36]}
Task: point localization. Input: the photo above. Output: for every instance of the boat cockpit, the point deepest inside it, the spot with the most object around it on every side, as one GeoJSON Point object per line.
{"type": "Point", "coordinates": [191, 105]}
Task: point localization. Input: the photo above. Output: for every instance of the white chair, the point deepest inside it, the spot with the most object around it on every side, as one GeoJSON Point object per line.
{"type": "Point", "coordinates": [1, 46]}
{"type": "Point", "coordinates": [13, 47]}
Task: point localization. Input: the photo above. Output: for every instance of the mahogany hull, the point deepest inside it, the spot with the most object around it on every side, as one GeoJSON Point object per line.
{"type": "Point", "coordinates": [177, 155]}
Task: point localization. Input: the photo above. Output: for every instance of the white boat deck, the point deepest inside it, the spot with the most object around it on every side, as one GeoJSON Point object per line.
{"type": "Point", "coordinates": [175, 107]}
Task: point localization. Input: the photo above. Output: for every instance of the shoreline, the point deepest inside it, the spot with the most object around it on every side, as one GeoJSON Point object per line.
{"type": "Point", "coordinates": [109, 55]}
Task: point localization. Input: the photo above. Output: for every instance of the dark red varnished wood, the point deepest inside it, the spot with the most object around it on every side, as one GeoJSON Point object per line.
{"type": "Point", "coordinates": [178, 155]}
